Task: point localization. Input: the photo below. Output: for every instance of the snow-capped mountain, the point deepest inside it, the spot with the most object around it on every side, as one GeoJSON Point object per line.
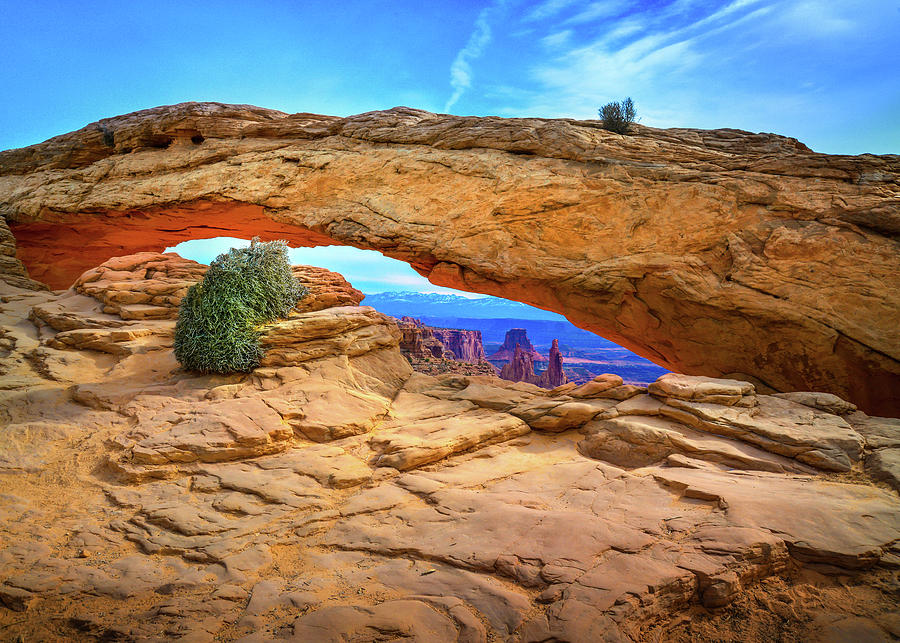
{"type": "Point", "coordinates": [417, 304]}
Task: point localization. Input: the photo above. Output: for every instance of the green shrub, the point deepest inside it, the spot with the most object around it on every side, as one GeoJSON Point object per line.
{"type": "Point", "coordinates": [618, 117]}
{"type": "Point", "coordinates": [218, 319]}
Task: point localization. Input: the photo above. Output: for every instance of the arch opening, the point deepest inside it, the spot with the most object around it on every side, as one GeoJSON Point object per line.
{"type": "Point", "coordinates": [394, 288]}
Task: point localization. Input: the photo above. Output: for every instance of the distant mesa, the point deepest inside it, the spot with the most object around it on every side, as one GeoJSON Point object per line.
{"type": "Point", "coordinates": [418, 342]}
{"type": "Point", "coordinates": [465, 345]}
{"type": "Point", "coordinates": [516, 337]}
{"type": "Point", "coordinates": [435, 351]}
{"type": "Point", "coordinates": [521, 368]}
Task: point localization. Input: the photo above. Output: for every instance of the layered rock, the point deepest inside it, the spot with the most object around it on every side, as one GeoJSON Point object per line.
{"type": "Point", "coordinates": [418, 341]}
{"type": "Point", "coordinates": [465, 344]}
{"type": "Point", "coordinates": [324, 289]}
{"type": "Point", "coordinates": [424, 347]}
{"type": "Point", "coordinates": [149, 285]}
{"type": "Point", "coordinates": [718, 252]}
{"type": "Point", "coordinates": [515, 337]}
{"type": "Point", "coordinates": [520, 368]}
{"type": "Point", "coordinates": [335, 494]}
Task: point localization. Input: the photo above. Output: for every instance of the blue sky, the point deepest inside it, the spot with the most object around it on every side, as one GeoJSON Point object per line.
{"type": "Point", "coordinates": [824, 71]}
{"type": "Point", "coordinates": [368, 270]}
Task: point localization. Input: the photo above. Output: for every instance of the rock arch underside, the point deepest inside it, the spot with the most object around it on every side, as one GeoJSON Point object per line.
{"type": "Point", "coordinates": [338, 493]}
{"type": "Point", "coordinates": [713, 252]}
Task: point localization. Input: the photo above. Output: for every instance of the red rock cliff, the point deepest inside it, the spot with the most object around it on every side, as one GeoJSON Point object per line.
{"type": "Point", "coordinates": [418, 340]}
{"type": "Point", "coordinates": [520, 368]}
{"type": "Point", "coordinates": [465, 344]}
{"type": "Point", "coordinates": [516, 337]}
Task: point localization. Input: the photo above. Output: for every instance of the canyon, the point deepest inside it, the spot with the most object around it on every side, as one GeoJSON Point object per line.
{"type": "Point", "coordinates": [335, 494]}
{"type": "Point", "coordinates": [431, 350]}
{"type": "Point", "coordinates": [465, 344]}
{"type": "Point", "coordinates": [711, 252]}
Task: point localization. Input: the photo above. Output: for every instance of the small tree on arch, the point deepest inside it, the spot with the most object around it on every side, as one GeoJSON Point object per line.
{"type": "Point", "coordinates": [618, 117]}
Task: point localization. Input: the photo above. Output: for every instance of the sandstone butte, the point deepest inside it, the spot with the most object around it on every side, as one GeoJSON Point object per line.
{"type": "Point", "coordinates": [333, 494]}
{"type": "Point", "coordinates": [710, 252]}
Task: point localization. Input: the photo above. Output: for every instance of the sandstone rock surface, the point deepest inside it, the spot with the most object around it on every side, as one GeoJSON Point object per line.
{"type": "Point", "coordinates": [335, 494]}
{"type": "Point", "coordinates": [12, 271]}
{"type": "Point", "coordinates": [714, 253]}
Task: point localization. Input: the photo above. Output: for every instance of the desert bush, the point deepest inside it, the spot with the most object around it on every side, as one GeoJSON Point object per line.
{"type": "Point", "coordinates": [218, 319]}
{"type": "Point", "coordinates": [618, 117]}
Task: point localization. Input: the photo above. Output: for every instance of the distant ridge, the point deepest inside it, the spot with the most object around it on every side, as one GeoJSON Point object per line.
{"type": "Point", "coordinates": [417, 304]}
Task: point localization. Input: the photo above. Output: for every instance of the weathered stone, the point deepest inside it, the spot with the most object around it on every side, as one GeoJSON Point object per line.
{"type": "Point", "coordinates": [15, 598]}
{"type": "Point", "coordinates": [634, 441]}
{"type": "Point", "coordinates": [412, 445]}
{"type": "Point", "coordinates": [12, 271]}
{"type": "Point", "coordinates": [884, 465]}
{"type": "Point", "coordinates": [842, 525]}
{"type": "Point", "coordinates": [822, 401]}
{"type": "Point", "coordinates": [325, 289]}
{"type": "Point", "coordinates": [399, 619]}
{"type": "Point", "coordinates": [347, 331]}
{"type": "Point", "coordinates": [700, 389]}
{"type": "Point", "coordinates": [740, 244]}
{"type": "Point", "coordinates": [492, 532]}
{"type": "Point", "coordinates": [596, 386]}
{"type": "Point", "coordinates": [557, 415]}
{"type": "Point", "coordinates": [878, 432]}
{"type": "Point", "coordinates": [819, 439]}
{"type": "Point", "coordinates": [224, 430]}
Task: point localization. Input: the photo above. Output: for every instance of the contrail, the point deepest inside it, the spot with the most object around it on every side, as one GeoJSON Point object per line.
{"type": "Point", "coordinates": [461, 70]}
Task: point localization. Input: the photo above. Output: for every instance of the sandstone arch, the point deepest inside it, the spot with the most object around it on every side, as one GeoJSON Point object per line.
{"type": "Point", "coordinates": [710, 252]}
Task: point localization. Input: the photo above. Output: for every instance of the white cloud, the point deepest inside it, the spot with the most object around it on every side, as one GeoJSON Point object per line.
{"type": "Point", "coordinates": [819, 19]}
{"type": "Point", "coordinates": [597, 10]}
{"type": "Point", "coordinates": [461, 68]}
{"type": "Point", "coordinates": [650, 54]}
{"type": "Point", "coordinates": [724, 12]}
{"type": "Point", "coordinates": [547, 9]}
{"type": "Point", "coordinates": [558, 39]}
